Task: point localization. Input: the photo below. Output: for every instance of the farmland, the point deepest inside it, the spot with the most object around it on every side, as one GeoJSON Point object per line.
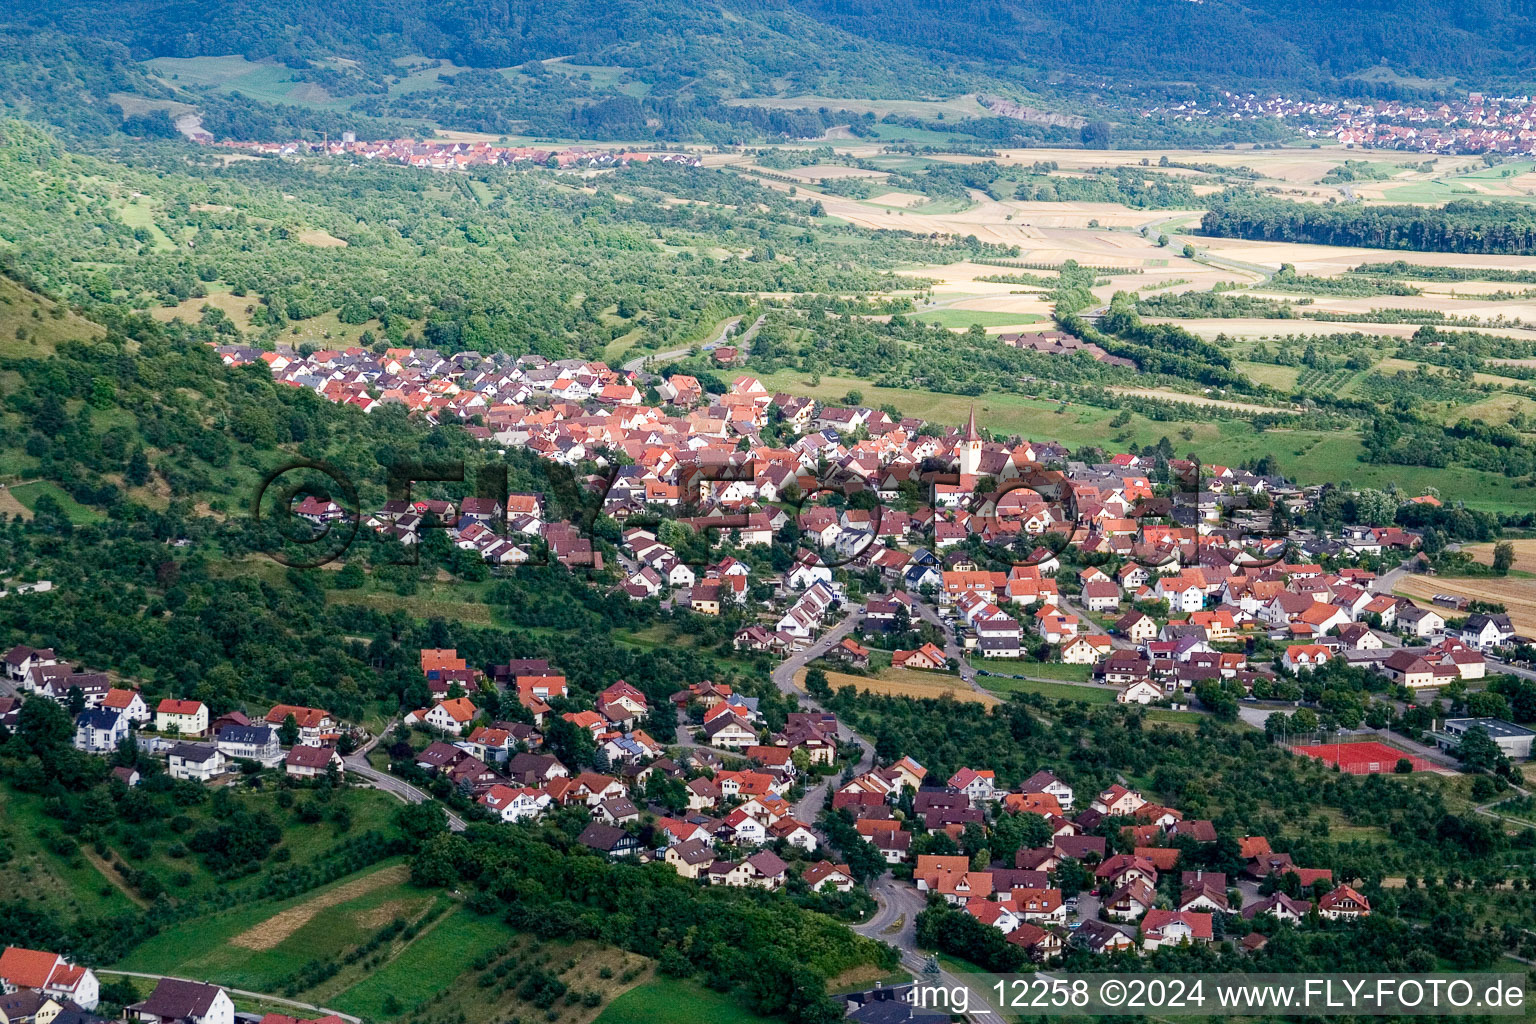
{"type": "Point", "coordinates": [897, 682]}
{"type": "Point", "coordinates": [1518, 595]}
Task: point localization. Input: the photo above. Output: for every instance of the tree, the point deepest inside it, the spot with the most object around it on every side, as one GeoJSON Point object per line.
{"type": "Point", "coordinates": [288, 732]}
{"type": "Point", "coordinates": [1503, 557]}
{"type": "Point", "coordinates": [1189, 251]}
{"type": "Point", "coordinates": [1479, 753]}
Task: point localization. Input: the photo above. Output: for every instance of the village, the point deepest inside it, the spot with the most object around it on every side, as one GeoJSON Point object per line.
{"type": "Point", "coordinates": [440, 155]}
{"type": "Point", "coordinates": [1474, 124]}
{"type": "Point", "coordinates": [1171, 589]}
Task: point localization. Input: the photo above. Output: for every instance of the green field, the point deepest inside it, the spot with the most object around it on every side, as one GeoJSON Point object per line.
{"type": "Point", "coordinates": [28, 493]}
{"type": "Point", "coordinates": [984, 317]}
{"type": "Point", "coordinates": [258, 946]}
{"type": "Point", "coordinates": [1055, 691]}
{"type": "Point", "coordinates": [267, 81]}
{"type": "Point", "coordinates": [53, 871]}
{"type": "Point", "coordinates": [670, 1001]}
{"type": "Point", "coordinates": [426, 966]}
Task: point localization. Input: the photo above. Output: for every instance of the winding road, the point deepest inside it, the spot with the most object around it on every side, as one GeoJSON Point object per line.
{"type": "Point", "coordinates": [637, 364]}
{"type": "Point", "coordinates": [357, 763]}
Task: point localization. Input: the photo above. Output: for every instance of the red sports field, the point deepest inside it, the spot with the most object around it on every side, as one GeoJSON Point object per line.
{"type": "Point", "coordinates": [1369, 758]}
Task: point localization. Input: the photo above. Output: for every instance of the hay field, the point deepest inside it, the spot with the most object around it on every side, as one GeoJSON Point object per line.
{"type": "Point", "coordinates": [1517, 595]}
{"type": "Point", "coordinates": [900, 682]}
{"type": "Point", "coordinates": [1525, 554]}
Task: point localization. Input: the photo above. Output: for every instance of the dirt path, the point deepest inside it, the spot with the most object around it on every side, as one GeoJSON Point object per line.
{"type": "Point", "coordinates": [111, 874]}
{"type": "Point", "coordinates": [269, 933]}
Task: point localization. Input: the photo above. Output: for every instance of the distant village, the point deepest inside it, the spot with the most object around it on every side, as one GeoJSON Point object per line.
{"type": "Point", "coordinates": [1476, 124]}
{"type": "Point", "coordinates": [441, 155]}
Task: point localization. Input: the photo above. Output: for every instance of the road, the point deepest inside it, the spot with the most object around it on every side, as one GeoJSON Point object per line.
{"type": "Point", "coordinates": [637, 364]}
{"type": "Point", "coordinates": [357, 763]}
{"type": "Point", "coordinates": [895, 922]}
{"type": "Point", "coordinates": [264, 997]}
{"type": "Point", "coordinates": [810, 804]}
{"type": "Point", "coordinates": [784, 674]}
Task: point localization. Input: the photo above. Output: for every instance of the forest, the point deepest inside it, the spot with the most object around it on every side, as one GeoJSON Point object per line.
{"type": "Point", "coordinates": [1463, 226]}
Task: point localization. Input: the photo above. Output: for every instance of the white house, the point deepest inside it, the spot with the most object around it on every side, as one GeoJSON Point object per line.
{"type": "Point", "coordinates": [176, 1001]}
{"type": "Point", "coordinates": [183, 717]}
{"type": "Point", "coordinates": [196, 762]}
{"type": "Point", "coordinates": [50, 974]}
{"type": "Point", "coordinates": [99, 730]}
{"type": "Point", "coordinates": [515, 804]}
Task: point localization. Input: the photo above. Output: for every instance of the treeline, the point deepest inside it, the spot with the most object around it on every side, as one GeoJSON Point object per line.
{"type": "Point", "coordinates": [1155, 348]}
{"type": "Point", "coordinates": [1427, 272]}
{"type": "Point", "coordinates": [1462, 226]}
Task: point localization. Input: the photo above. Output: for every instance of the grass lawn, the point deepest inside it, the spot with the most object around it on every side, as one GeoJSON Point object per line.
{"type": "Point", "coordinates": [1055, 691]}
{"type": "Point", "coordinates": [257, 946]}
{"type": "Point", "coordinates": [427, 966]}
{"type": "Point", "coordinates": [672, 1001]}
{"type": "Point", "coordinates": [55, 876]}
{"type": "Point", "coordinates": [28, 493]}
{"type": "Point", "coordinates": [984, 317]}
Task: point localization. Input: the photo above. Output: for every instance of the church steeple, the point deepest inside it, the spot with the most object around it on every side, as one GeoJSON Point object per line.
{"type": "Point", "coordinates": [968, 450]}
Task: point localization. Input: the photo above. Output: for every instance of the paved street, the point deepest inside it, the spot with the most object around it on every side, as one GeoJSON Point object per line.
{"type": "Point", "coordinates": [357, 764]}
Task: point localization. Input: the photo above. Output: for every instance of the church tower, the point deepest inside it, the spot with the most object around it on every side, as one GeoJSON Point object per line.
{"type": "Point", "coordinates": [968, 450]}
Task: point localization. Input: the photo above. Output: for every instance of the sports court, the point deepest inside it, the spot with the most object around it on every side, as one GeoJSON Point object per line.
{"type": "Point", "coordinates": [1367, 758]}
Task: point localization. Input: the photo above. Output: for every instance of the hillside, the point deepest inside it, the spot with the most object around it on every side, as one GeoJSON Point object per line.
{"type": "Point", "coordinates": [667, 70]}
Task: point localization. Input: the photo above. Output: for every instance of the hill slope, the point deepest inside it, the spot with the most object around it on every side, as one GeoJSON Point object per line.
{"type": "Point", "coordinates": [808, 45]}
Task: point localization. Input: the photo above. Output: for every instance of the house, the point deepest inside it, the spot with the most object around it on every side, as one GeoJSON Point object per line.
{"type": "Point", "coordinates": [50, 974]}
{"type": "Point", "coordinates": [306, 762]}
{"type": "Point", "coordinates": [1174, 927]}
{"type": "Point", "coordinates": [1117, 800]}
{"type": "Point", "coordinates": [1130, 901]}
{"type": "Point", "coordinates": [515, 804]}
{"type": "Point", "coordinates": [824, 875]}
{"type": "Point", "coordinates": [248, 742]}
{"type": "Point", "coordinates": [1281, 907]}
{"type": "Point", "coordinates": [1420, 622]}
{"type": "Point", "coordinates": [1141, 691]}
{"type": "Point", "coordinates": [1045, 782]}
{"type": "Point", "coordinates": [1040, 943]}
{"type": "Point", "coordinates": [1304, 657]}
{"type": "Point", "coordinates": [196, 762]}
{"type": "Point", "coordinates": [926, 657]}
{"type": "Point", "coordinates": [729, 732]}
{"type": "Point", "coordinates": [1407, 669]}
{"type": "Point", "coordinates": [451, 715]}
{"type": "Point", "coordinates": [610, 840]}
{"type": "Point", "coordinates": [1101, 596]}
{"type": "Point", "coordinates": [1100, 937]}
{"type": "Point", "coordinates": [1343, 903]}
{"type": "Point", "coordinates": [849, 652]}
{"type": "Point", "coordinates": [100, 730]}
{"type": "Point", "coordinates": [21, 660]}
{"type": "Point", "coordinates": [690, 859]}
{"type": "Point", "coordinates": [1138, 627]}
{"type": "Point", "coordinates": [129, 703]}
{"type": "Point", "coordinates": [181, 717]}
{"type": "Point", "coordinates": [1482, 632]}
{"type": "Point", "coordinates": [978, 786]}
{"type": "Point", "coordinates": [183, 1002]}
{"type": "Point", "coordinates": [762, 870]}
{"type": "Point", "coordinates": [316, 726]}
